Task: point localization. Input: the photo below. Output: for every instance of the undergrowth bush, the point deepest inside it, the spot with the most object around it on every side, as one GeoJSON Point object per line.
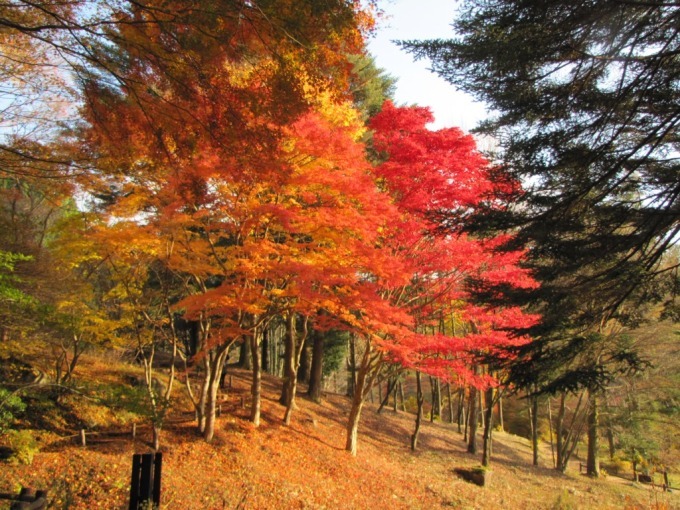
{"type": "Point", "coordinates": [10, 406]}
{"type": "Point", "coordinates": [24, 446]}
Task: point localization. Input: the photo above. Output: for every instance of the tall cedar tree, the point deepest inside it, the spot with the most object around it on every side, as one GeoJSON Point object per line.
{"type": "Point", "coordinates": [587, 96]}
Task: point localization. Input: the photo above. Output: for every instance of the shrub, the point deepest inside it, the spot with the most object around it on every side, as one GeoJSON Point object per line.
{"type": "Point", "coordinates": [24, 446]}
{"type": "Point", "coordinates": [10, 406]}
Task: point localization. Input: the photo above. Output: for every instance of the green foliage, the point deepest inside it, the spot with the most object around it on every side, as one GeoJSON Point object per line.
{"type": "Point", "coordinates": [9, 291]}
{"type": "Point", "coordinates": [10, 406]}
{"type": "Point", "coordinates": [334, 351]}
{"type": "Point", "coordinates": [24, 446]}
{"type": "Point", "coordinates": [370, 85]}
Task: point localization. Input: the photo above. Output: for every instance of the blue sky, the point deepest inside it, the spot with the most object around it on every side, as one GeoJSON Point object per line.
{"type": "Point", "coordinates": [422, 19]}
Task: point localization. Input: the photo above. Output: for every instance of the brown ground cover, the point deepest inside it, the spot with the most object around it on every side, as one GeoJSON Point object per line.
{"type": "Point", "coordinates": [305, 466]}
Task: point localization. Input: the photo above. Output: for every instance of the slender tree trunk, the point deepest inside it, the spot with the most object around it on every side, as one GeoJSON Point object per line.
{"type": "Point", "coordinates": [436, 399]}
{"type": "Point", "coordinates": [593, 461]}
{"type": "Point", "coordinates": [460, 419]}
{"type": "Point", "coordinates": [533, 414]}
{"type": "Point", "coordinates": [305, 367]}
{"type": "Point", "coordinates": [288, 362]}
{"type": "Point", "coordinates": [256, 386]}
{"type": "Point", "coordinates": [265, 350]}
{"type": "Point", "coordinates": [297, 346]}
{"type": "Point", "coordinates": [448, 394]}
{"type": "Point", "coordinates": [401, 397]}
{"type": "Point", "coordinates": [156, 437]}
{"type": "Point", "coordinates": [559, 433]}
{"type": "Point", "coordinates": [472, 419]}
{"type": "Point", "coordinates": [391, 387]}
{"type": "Point", "coordinates": [316, 374]}
{"type": "Point", "coordinates": [501, 422]}
{"type": "Point", "coordinates": [550, 425]}
{"type": "Point", "coordinates": [216, 361]}
{"type": "Point", "coordinates": [419, 415]}
{"type": "Point", "coordinates": [202, 405]}
{"type": "Point", "coordinates": [488, 427]}
{"type": "Point", "coordinates": [366, 375]}
{"type": "Point", "coordinates": [351, 366]}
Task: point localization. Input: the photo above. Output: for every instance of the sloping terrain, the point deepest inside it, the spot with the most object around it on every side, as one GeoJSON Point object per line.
{"type": "Point", "coordinates": [305, 466]}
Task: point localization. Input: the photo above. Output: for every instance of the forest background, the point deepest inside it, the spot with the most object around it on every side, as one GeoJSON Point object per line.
{"type": "Point", "coordinates": [184, 185]}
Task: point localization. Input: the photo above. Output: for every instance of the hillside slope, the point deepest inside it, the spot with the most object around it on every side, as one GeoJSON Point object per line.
{"type": "Point", "coordinates": [304, 466]}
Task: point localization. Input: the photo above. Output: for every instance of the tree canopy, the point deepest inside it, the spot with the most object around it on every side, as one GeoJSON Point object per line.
{"type": "Point", "coordinates": [585, 96]}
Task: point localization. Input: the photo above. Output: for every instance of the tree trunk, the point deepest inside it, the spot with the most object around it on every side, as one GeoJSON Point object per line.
{"type": "Point", "coordinates": [419, 415]}
{"type": "Point", "coordinates": [435, 389]}
{"type": "Point", "coordinates": [488, 424]}
{"type": "Point", "coordinates": [256, 386]}
{"type": "Point", "coordinates": [305, 367]}
{"type": "Point", "coordinates": [265, 351]}
{"type": "Point", "coordinates": [156, 437]}
{"type": "Point", "coordinates": [449, 396]}
{"type": "Point", "coordinates": [533, 414]}
{"type": "Point", "coordinates": [472, 419]}
{"type": "Point", "coordinates": [401, 397]}
{"type": "Point", "coordinates": [460, 418]}
{"type": "Point", "coordinates": [559, 434]}
{"type": "Point", "coordinates": [316, 372]}
{"type": "Point", "coordinates": [216, 361]}
{"type": "Point", "coordinates": [500, 414]}
{"type": "Point", "coordinates": [593, 461]}
{"type": "Point", "coordinates": [365, 377]}
{"type": "Point", "coordinates": [351, 366]}
{"type": "Point", "coordinates": [245, 357]}
{"type": "Point", "coordinates": [288, 363]}
{"type": "Point", "coordinates": [390, 390]}
{"type": "Point", "coordinates": [297, 346]}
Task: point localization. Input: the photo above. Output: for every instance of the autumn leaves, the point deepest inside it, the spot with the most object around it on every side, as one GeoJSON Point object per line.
{"type": "Point", "coordinates": [239, 190]}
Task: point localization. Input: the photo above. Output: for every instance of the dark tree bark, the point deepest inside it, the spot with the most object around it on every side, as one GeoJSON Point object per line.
{"type": "Point", "coordinates": [488, 427]}
{"type": "Point", "coordinates": [401, 397]}
{"type": "Point", "coordinates": [245, 360]}
{"type": "Point", "coordinates": [351, 366]}
{"type": "Point", "coordinates": [419, 414]}
{"type": "Point", "coordinates": [305, 367]}
{"type": "Point", "coordinates": [472, 420]}
{"type": "Point", "coordinates": [265, 350]}
{"type": "Point", "coordinates": [316, 372]}
{"type": "Point", "coordinates": [593, 460]}
{"type": "Point", "coordinates": [450, 399]}
{"type": "Point", "coordinates": [460, 418]}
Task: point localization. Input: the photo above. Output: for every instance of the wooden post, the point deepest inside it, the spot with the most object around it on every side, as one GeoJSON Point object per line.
{"type": "Point", "coordinates": [83, 441]}
{"type": "Point", "coordinates": [134, 430]}
{"type": "Point", "coordinates": [243, 403]}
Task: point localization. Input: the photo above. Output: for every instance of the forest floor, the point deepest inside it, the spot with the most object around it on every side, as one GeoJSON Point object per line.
{"type": "Point", "coordinates": [304, 466]}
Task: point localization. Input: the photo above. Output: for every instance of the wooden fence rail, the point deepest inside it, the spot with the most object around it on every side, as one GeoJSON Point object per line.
{"type": "Point", "coordinates": [27, 499]}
